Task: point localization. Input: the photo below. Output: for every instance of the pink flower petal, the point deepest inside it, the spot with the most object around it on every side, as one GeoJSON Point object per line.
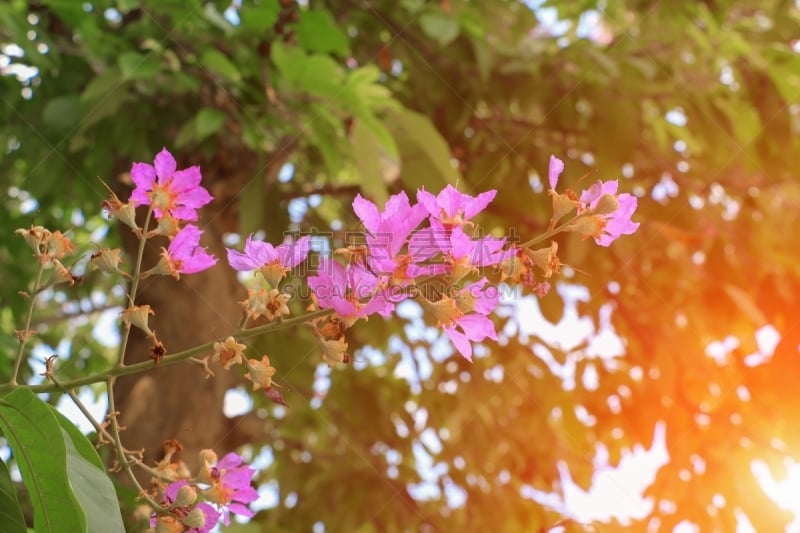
{"type": "Point", "coordinates": [186, 179]}
{"type": "Point", "coordinates": [460, 341]}
{"type": "Point", "coordinates": [554, 171]}
{"type": "Point", "coordinates": [473, 206]}
{"type": "Point", "coordinates": [165, 165]}
{"type": "Point", "coordinates": [367, 212]}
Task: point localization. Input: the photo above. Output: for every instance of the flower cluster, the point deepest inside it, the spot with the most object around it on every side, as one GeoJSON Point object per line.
{"type": "Point", "coordinates": [406, 245]}
{"type": "Point", "coordinates": [603, 214]}
{"type": "Point", "coordinates": [197, 504]}
{"type": "Point", "coordinates": [398, 253]}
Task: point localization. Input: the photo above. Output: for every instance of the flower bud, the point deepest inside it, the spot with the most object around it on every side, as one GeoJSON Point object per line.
{"type": "Point", "coordinates": [196, 519]}
{"type": "Point", "coordinates": [168, 524]}
{"type": "Point", "coordinates": [136, 315]}
{"type": "Point", "coordinates": [186, 496]}
{"type": "Point", "coordinates": [107, 260]}
{"type": "Point", "coordinates": [606, 205]}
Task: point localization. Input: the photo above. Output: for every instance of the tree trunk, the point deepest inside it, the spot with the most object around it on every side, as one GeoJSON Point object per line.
{"type": "Point", "coordinates": [179, 401]}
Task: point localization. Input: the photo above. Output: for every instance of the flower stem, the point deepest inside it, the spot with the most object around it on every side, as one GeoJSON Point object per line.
{"type": "Point", "coordinates": [137, 269]}
{"type": "Point", "coordinates": [122, 456]}
{"type": "Point", "coordinates": [23, 339]}
{"type": "Point", "coordinates": [173, 358]}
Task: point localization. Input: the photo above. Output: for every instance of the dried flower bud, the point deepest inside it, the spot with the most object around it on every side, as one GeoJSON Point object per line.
{"type": "Point", "coordinates": [261, 373]}
{"type": "Point", "coordinates": [270, 304]}
{"type": "Point", "coordinates": [588, 226]}
{"type": "Point", "coordinates": [61, 274]}
{"type": "Point", "coordinates": [136, 315]}
{"type": "Point", "coordinates": [546, 259]}
{"type": "Point", "coordinates": [563, 204]}
{"type": "Point", "coordinates": [58, 245]}
{"type": "Point", "coordinates": [107, 260]}
{"type": "Point", "coordinates": [228, 352]}
{"type": "Point", "coordinates": [168, 524]}
{"type": "Point", "coordinates": [125, 213]}
{"type": "Point", "coordinates": [444, 310]}
{"type": "Point", "coordinates": [36, 237]}
{"type": "Point", "coordinates": [168, 226]}
{"type": "Point", "coordinates": [334, 351]}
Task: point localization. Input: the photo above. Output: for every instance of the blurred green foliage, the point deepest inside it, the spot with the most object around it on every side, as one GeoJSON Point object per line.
{"type": "Point", "coordinates": [693, 103]}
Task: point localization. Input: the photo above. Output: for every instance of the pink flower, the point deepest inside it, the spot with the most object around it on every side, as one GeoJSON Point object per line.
{"type": "Point", "coordinates": [352, 293]}
{"type": "Point", "coordinates": [466, 253]}
{"type": "Point", "coordinates": [389, 232]}
{"type": "Point", "coordinates": [463, 317]}
{"type": "Point", "coordinates": [170, 191]}
{"type": "Point", "coordinates": [473, 327]}
{"type": "Point", "coordinates": [612, 217]}
{"type": "Point", "coordinates": [231, 486]}
{"type": "Point", "coordinates": [273, 262]}
{"type": "Point", "coordinates": [615, 214]}
{"type": "Point", "coordinates": [453, 208]}
{"type": "Point", "coordinates": [184, 254]}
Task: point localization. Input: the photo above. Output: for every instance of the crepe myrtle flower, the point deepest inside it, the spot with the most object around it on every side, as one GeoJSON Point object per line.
{"type": "Point", "coordinates": [451, 208]}
{"type": "Point", "coordinates": [272, 261]}
{"type": "Point", "coordinates": [168, 190]}
{"type": "Point", "coordinates": [229, 483]}
{"type": "Point", "coordinates": [353, 292]}
{"type": "Point", "coordinates": [184, 255]}
{"type": "Point", "coordinates": [610, 213]}
{"type": "Point", "coordinates": [463, 316]}
{"type": "Point", "coordinates": [388, 233]}
{"type": "Point", "coordinates": [606, 215]}
{"type": "Point", "coordinates": [466, 254]}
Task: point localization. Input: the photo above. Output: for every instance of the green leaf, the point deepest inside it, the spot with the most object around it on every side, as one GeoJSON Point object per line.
{"type": "Point", "coordinates": [366, 152]}
{"type": "Point", "coordinates": [424, 154]}
{"type": "Point", "coordinates": [208, 121]}
{"type": "Point", "coordinates": [102, 84]}
{"type": "Point", "coordinates": [257, 19]}
{"type": "Point", "coordinates": [10, 512]}
{"type": "Point", "coordinates": [38, 446]}
{"type": "Point", "coordinates": [125, 6]}
{"type": "Point", "coordinates": [440, 27]}
{"type": "Point", "coordinates": [83, 445]}
{"type": "Point", "coordinates": [317, 32]}
{"type": "Point", "coordinates": [62, 113]}
{"type": "Point", "coordinates": [219, 64]}
{"type": "Point", "coordinates": [136, 66]}
{"type": "Point", "coordinates": [92, 487]}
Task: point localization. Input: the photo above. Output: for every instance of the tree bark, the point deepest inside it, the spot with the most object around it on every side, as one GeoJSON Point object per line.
{"type": "Point", "coordinates": [180, 401]}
